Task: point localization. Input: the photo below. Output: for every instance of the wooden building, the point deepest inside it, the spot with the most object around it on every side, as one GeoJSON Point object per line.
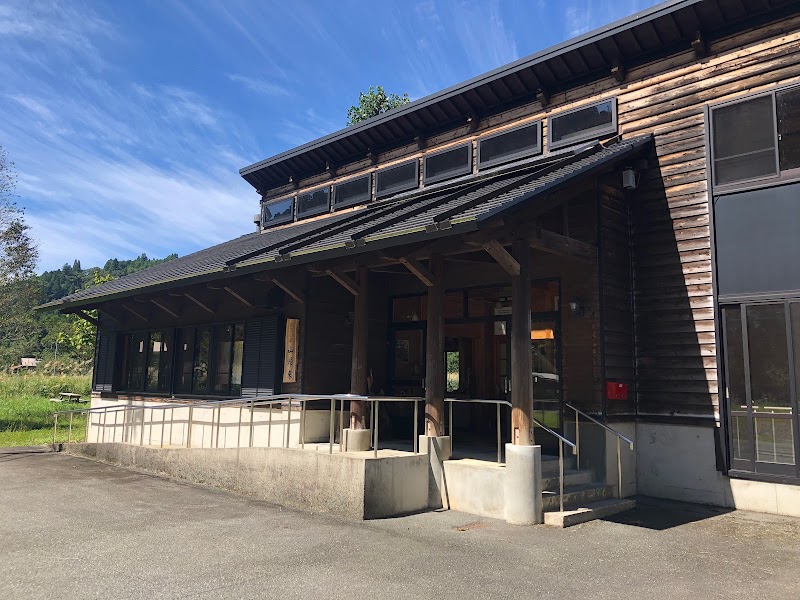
{"type": "Point", "coordinates": [609, 227]}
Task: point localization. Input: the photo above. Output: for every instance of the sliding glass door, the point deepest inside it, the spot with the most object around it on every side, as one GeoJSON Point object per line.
{"type": "Point", "coordinates": [762, 368]}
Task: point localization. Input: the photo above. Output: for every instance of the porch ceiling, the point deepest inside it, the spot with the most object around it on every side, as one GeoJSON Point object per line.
{"type": "Point", "coordinates": [461, 206]}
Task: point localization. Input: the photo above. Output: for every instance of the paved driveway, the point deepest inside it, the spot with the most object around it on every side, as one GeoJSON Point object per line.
{"type": "Point", "coordinates": [72, 528]}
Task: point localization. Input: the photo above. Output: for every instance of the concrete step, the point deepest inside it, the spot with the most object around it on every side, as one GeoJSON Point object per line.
{"type": "Point", "coordinates": [577, 496]}
{"type": "Point", "coordinates": [590, 512]}
{"type": "Point", "coordinates": [571, 477]}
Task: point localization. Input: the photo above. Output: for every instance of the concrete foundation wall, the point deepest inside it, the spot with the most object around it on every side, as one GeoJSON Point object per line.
{"type": "Point", "coordinates": [476, 487]}
{"type": "Point", "coordinates": [340, 484]}
{"type": "Point", "coordinates": [678, 462]}
{"type": "Point", "coordinates": [218, 428]}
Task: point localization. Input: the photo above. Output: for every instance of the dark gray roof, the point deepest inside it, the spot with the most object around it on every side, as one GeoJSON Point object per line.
{"type": "Point", "coordinates": [661, 30]}
{"type": "Point", "coordinates": [458, 206]}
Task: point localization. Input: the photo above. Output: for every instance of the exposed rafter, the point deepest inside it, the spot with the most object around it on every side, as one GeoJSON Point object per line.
{"type": "Point", "coordinates": [163, 306]}
{"type": "Point", "coordinates": [422, 273]}
{"type": "Point", "coordinates": [134, 312]}
{"type": "Point", "coordinates": [199, 303]}
{"type": "Point", "coordinates": [502, 256]}
{"type": "Point", "coordinates": [295, 294]}
{"type": "Point", "coordinates": [345, 281]}
{"type": "Point", "coordinates": [239, 297]}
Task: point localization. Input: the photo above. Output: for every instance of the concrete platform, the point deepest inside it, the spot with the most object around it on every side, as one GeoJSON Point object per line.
{"type": "Point", "coordinates": [590, 512]}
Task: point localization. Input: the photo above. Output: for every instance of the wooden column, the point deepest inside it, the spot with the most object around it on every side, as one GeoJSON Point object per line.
{"type": "Point", "coordinates": [521, 365]}
{"type": "Point", "coordinates": [434, 351]}
{"type": "Point", "coordinates": [358, 369]}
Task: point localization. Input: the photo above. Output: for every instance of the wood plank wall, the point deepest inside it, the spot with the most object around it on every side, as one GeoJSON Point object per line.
{"type": "Point", "coordinates": [673, 332]}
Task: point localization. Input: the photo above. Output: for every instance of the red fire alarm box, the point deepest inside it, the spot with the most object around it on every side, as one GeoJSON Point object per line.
{"type": "Point", "coordinates": [616, 390]}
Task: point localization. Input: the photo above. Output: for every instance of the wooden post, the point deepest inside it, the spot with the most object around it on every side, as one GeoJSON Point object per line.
{"type": "Point", "coordinates": [521, 365]}
{"type": "Point", "coordinates": [434, 349]}
{"type": "Point", "coordinates": [358, 369]}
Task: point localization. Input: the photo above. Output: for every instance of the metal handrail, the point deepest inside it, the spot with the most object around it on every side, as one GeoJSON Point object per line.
{"type": "Point", "coordinates": [561, 441]}
{"type": "Point", "coordinates": [603, 425]}
{"type": "Point", "coordinates": [479, 401]}
{"type": "Point", "coordinates": [616, 433]}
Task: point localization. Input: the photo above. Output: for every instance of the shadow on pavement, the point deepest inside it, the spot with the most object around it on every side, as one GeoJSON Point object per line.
{"type": "Point", "coordinates": [658, 514]}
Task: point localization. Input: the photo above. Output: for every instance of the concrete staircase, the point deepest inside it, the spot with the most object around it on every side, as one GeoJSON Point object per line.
{"type": "Point", "coordinates": [584, 498]}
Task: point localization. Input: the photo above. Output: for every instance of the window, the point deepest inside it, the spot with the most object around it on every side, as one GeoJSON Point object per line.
{"type": "Point", "coordinates": [510, 145]}
{"type": "Point", "coordinates": [354, 191]}
{"type": "Point", "coordinates": [202, 351]}
{"type": "Point", "coordinates": [760, 385]}
{"type": "Point", "coordinates": [397, 179]}
{"type": "Point", "coordinates": [276, 212]}
{"type": "Point", "coordinates": [159, 361]}
{"type": "Point", "coordinates": [744, 141]}
{"type": "Point", "coordinates": [448, 163]}
{"type": "Point", "coordinates": [581, 124]}
{"type": "Point", "coordinates": [138, 362]}
{"type": "Point", "coordinates": [314, 202]}
{"type": "Point", "coordinates": [756, 138]}
{"type": "Point", "coordinates": [184, 362]}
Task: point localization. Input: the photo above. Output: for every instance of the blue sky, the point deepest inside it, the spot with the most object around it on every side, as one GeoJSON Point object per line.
{"type": "Point", "coordinates": [128, 120]}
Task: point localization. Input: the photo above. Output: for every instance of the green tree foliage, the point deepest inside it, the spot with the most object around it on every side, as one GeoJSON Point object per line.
{"type": "Point", "coordinates": [375, 102]}
{"type": "Point", "coordinates": [79, 339]}
{"type": "Point", "coordinates": [18, 284]}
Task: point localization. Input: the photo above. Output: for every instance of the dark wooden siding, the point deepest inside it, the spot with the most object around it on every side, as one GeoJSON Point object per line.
{"type": "Point", "coordinates": [104, 362]}
{"type": "Point", "coordinates": [616, 291]}
{"type": "Point", "coordinates": [260, 357]}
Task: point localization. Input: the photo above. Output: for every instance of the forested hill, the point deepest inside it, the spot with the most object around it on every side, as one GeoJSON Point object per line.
{"type": "Point", "coordinates": [71, 278]}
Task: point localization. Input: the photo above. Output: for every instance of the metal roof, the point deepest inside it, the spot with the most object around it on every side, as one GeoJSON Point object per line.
{"type": "Point", "coordinates": [459, 206]}
{"type": "Point", "coordinates": [661, 30]}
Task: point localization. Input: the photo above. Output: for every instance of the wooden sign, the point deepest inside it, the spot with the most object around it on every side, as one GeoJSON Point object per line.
{"type": "Point", "coordinates": [290, 351]}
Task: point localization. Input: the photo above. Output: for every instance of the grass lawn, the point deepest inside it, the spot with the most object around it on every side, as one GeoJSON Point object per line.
{"type": "Point", "coordinates": [26, 413]}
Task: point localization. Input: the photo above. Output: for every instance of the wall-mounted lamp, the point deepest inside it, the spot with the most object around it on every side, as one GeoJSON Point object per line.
{"type": "Point", "coordinates": [630, 179]}
{"type": "Point", "coordinates": [576, 307]}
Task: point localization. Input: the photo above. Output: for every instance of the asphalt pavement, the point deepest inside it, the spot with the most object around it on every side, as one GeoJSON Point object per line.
{"type": "Point", "coordinates": [74, 528]}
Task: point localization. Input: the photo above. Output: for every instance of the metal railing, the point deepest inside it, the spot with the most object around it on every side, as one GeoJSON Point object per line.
{"type": "Point", "coordinates": [289, 401]}
{"type": "Point", "coordinates": [614, 432]}
{"type": "Point", "coordinates": [561, 439]}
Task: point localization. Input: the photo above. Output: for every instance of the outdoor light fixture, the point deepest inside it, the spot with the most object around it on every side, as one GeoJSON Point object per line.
{"type": "Point", "coordinates": [576, 306]}
{"type": "Point", "coordinates": [630, 179]}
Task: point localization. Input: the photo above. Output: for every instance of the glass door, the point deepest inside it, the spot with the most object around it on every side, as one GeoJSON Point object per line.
{"type": "Point", "coordinates": [761, 344]}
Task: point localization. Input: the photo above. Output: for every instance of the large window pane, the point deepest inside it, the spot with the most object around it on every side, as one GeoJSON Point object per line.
{"type": "Point", "coordinates": [509, 145]}
{"type": "Point", "coordinates": [238, 354]}
{"type": "Point", "coordinates": [354, 191]}
{"type": "Point", "coordinates": [165, 367]}
{"type": "Point", "coordinates": [788, 106]}
{"type": "Point", "coordinates": [743, 141]}
{"type": "Point", "coordinates": [136, 379]}
{"type": "Point", "coordinates": [202, 344]}
{"type": "Point", "coordinates": [449, 163]}
{"type": "Point", "coordinates": [313, 203]}
{"type": "Point", "coordinates": [185, 365]}
{"type": "Point", "coordinates": [276, 212]}
{"type": "Point", "coordinates": [769, 359]}
{"type": "Point", "coordinates": [397, 179]}
{"type": "Point", "coordinates": [774, 440]}
{"type": "Point", "coordinates": [153, 361]}
{"type": "Point", "coordinates": [583, 124]}
{"type": "Point", "coordinates": [223, 347]}
{"type": "Point", "coordinates": [741, 439]}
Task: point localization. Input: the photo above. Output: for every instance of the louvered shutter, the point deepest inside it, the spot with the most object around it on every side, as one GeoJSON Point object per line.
{"type": "Point", "coordinates": [104, 362]}
{"type": "Point", "coordinates": [260, 354]}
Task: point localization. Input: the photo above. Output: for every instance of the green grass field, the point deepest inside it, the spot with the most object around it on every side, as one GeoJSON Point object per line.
{"type": "Point", "coordinates": [26, 413]}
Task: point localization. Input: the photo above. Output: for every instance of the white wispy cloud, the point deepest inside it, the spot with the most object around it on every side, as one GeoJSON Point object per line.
{"type": "Point", "coordinates": [259, 86]}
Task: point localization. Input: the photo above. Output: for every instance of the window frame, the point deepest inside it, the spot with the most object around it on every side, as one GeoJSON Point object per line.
{"type": "Point", "coordinates": [613, 127]}
{"type": "Point", "coordinates": [397, 188]}
{"type": "Point", "coordinates": [779, 177]}
{"type": "Point", "coordinates": [315, 211]}
{"type": "Point", "coordinates": [282, 220]}
{"type": "Point", "coordinates": [466, 170]}
{"type": "Point", "coordinates": [516, 155]}
{"type": "Point", "coordinates": [352, 202]}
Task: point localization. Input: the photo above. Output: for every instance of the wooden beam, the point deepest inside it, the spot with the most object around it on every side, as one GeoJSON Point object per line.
{"type": "Point", "coordinates": [200, 304]}
{"type": "Point", "coordinates": [162, 305]}
{"type": "Point", "coordinates": [134, 312]}
{"type": "Point", "coordinates": [104, 310]}
{"type": "Point", "coordinates": [435, 376]}
{"type": "Point", "coordinates": [358, 368]}
{"type": "Point", "coordinates": [561, 245]}
{"type": "Point", "coordinates": [502, 256]}
{"type": "Point", "coordinates": [297, 295]}
{"type": "Point", "coordinates": [423, 274]}
{"type": "Point", "coordinates": [521, 364]}
{"type": "Point", "coordinates": [86, 317]}
{"type": "Point", "coordinates": [239, 297]}
{"type": "Point", "coordinates": [345, 281]}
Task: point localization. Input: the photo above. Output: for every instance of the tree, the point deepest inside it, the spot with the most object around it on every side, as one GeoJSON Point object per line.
{"type": "Point", "coordinates": [80, 340]}
{"type": "Point", "coordinates": [19, 288]}
{"type": "Point", "coordinates": [375, 102]}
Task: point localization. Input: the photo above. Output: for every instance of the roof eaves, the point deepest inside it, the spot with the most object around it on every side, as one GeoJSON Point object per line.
{"type": "Point", "coordinates": [608, 30]}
